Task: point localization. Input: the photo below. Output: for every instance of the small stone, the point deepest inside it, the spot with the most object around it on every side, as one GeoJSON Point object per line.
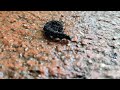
{"type": "Point", "coordinates": [68, 44]}
{"type": "Point", "coordinates": [26, 49]}
{"type": "Point", "coordinates": [62, 57]}
{"type": "Point", "coordinates": [25, 26]}
{"type": "Point", "coordinates": [59, 53]}
{"type": "Point", "coordinates": [20, 55]}
{"type": "Point", "coordinates": [102, 65]}
{"type": "Point", "coordinates": [82, 33]}
{"type": "Point", "coordinates": [90, 61]}
{"type": "Point", "coordinates": [75, 39]}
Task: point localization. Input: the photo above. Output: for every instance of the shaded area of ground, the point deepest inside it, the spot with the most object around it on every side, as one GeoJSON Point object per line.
{"type": "Point", "coordinates": [26, 53]}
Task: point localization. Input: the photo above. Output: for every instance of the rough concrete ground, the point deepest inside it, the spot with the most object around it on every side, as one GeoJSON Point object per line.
{"type": "Point", "coordinates": [93, 53]}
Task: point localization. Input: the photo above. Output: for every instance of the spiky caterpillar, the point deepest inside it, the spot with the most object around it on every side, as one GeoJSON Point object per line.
{"type": "Point", "coordinates": [54, 29]}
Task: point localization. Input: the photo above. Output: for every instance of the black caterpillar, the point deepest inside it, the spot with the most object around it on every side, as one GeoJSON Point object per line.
{"type": "Point", "coordinates": [54, 29]}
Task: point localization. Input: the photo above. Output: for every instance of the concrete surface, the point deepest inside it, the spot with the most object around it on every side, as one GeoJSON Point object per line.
{"type": "Point", "coordinates": [92, 54]}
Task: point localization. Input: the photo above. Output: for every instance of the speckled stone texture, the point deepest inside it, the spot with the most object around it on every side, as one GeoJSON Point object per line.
{"type": "Point", "coordinates": [93, 53]}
